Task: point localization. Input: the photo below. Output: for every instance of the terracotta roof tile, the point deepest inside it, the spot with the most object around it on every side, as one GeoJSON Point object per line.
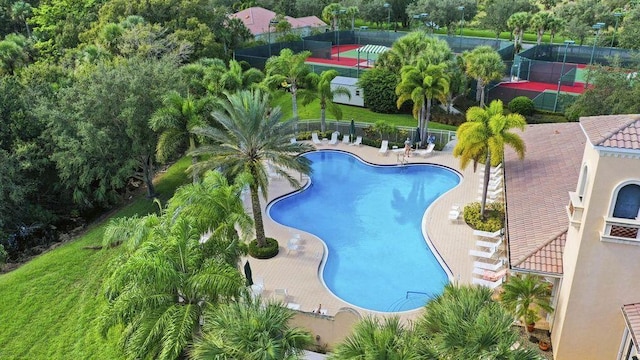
{"type": "Point", "coordinates": [614, 131]}
{"type": "Point", "coordinates": [537, 192]}
{"type": "Point", "coordinates": [257, 19]}
{"type": "Point", "coordinates": [631, 314]}
{"type": "Point", "coordinates": [546, 258]}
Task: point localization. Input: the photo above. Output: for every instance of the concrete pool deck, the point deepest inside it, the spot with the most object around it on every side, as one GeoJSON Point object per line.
{"type": "Point", "coordinates": [297, 271]}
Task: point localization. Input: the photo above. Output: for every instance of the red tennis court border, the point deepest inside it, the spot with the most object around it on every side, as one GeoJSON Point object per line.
{"type": "Point", "coordinates": [577, 88]}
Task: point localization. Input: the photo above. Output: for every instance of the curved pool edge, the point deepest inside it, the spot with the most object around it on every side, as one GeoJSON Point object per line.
{"type": "Point", "coordinates": [322, 259]}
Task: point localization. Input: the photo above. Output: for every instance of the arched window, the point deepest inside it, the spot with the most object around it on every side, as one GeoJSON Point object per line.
{"type": "Point", "coordinates": [627, 204]}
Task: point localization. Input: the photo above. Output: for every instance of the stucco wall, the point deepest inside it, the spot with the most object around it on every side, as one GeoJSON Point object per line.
{"type": "Point", "coordinates": [327, 330]}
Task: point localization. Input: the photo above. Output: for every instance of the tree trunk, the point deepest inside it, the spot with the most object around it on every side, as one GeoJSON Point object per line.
{"type": "Point", "coordinates": [540, 33]}
{"type": "Point", "coordinates": [294, 99]}
{"type": "Point", "coordinates": [481, 93]}
{"type": "Point", "coordinates": [257, 212]}
{"type": "Point", "coordinates": [421, 124]}
{"type": "Point", "coordinates": [147, 171]}
{"type": "Point", "coordinates": [485, 184]}
{"type": "Point", "coordinates": [323, 114]}
{"type": "Point", "coordinates": [426, 122]}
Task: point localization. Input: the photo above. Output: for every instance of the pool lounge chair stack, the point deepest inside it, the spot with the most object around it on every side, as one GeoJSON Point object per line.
{"type": "Point", "coordinates": [358, 141]}
{"type": "Point", "coordinates": [488, 268]}
{"type": "Point", "coordinates": [334, 138]}
{"type": "Point", "coordinates": [495, 188]}
{"type": "Point", "coordinates": [346, 139]}
{"type": "Point", "coordinates": [455, 213]}
{"type": "Point", "coordinates": [384, 147]}
{"type": "Point", "coordinates": [314, 138]}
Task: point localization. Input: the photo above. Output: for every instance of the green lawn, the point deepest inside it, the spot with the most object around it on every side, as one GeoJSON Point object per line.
{"type": "Point", "coordinates": [312, 111]}
{"type": "Point", "coordinates": [49, 306]}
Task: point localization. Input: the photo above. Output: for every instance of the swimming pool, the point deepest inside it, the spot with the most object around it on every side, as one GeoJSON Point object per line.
{"type": "Point", "coordinates": [370, 220]}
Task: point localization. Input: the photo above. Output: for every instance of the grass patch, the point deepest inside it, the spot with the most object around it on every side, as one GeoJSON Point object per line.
{"type": "Point", "coordinates": [51, 304]}
{"type": "Point", "coordinates": [312, 111]}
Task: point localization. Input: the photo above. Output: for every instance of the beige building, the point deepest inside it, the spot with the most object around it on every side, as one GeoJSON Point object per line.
{"type": "Point", "coordinates": [573, 217]}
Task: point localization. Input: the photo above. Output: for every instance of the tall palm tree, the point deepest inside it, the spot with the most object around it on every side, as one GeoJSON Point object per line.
{"type": "Point", "coordinates": [524, 295]}
{"type": "Point", "coordinates": [483, 64]}
{"type": "Point", "coordinates": [421, 84]}
{"type": "Point", "coordinates": [21, 10]}
{"type": "Point", "coordinates": [415, 45]}
{"type": "Point", "coordinates": [351, 12]}
{"type": "Point", "coordinates": [290, 69]}
{"type": "Point", "coordinates": [518, 22]}
{"type": "Point", "coordinates": [483, 137]}
{"type": "Point", "coordinates": [375, 339]}
{"type": "Point", "coordinates": [185, 264]}
{"type": "Point", "coordinates": [251, 135]}
{"type": "Point", "coordinates": [465, 323]}
{"type": "Point", "coordinates": [175, 120]}
{"type": "Point", "coordinates": [320, 89]}
{"type": "Point", "coordinates": [250, 330]}
{"type": "Point", "coordinates": [540, 22]}
{"type": "Point", "coordinates": [236, 79]}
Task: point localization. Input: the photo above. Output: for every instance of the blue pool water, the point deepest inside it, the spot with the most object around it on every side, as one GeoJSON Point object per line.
{"type": "Point", "coordinates": [370, 219]}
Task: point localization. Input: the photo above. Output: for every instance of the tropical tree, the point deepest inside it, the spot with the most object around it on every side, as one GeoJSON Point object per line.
{"type": "Point", "coordinates": [540, 23]}
{"type": "Point", "coordinates": [483, 136]}
{"type": "Point", "coordinates": [416, 45]}
{"type": "Point", "coordinates": [21, 11]}
{"type": "Point", "coordinates": [421, 84]}
{"type": "Point", "coordinates": [320, 89]}
{"type": "Point", "coordinates": [483, 64]}
{"type": "Point", "coordinates": [518, 23]}
{"type": "Point", "coordinates": [501, 10]}
{"type": "Point", "coordinates": [251, 135]}
{"type": "Point", "coordinates": [352, 12]}
{"type": "Point", "coordinates": [175, 120]}
{"type": "Point", "coordinates": [13, 53]}
{"type": "Point", "coordinates": [465, 323]}
{"type": "Point", "coordinates": [185, 265]}
{"type": "Point", "coordinates": [288, 69]}
{"type": "Point", "coordinates": [250, 330]}
{"type": "Point", "coordinates": [236, 78]}
{"type": "Point", "coordinates": [330, 14]}
{"type": "Point", "coordinates": [372, 338]}
{"type": "Point", "coordinates": [525, 295]}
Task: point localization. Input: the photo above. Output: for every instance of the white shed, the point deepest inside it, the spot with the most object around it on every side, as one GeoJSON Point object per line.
{"type": "Point", "coordinates": [357, 97]}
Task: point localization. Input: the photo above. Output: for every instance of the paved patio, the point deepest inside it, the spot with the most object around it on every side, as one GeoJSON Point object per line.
{"type": "Point", "coordinates": [297, 271]}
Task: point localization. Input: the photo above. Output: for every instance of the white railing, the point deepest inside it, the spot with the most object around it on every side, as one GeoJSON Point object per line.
{"type": "Point", "coordinates": [619, 230]}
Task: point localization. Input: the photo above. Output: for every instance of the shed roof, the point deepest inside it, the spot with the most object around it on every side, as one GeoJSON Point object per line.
{"type": "Point", "coordinates": [343, 80]}
{"type": "Point", "coordinates": [373, 49]}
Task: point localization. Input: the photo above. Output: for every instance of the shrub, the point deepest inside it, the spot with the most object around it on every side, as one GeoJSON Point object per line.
{"type": "Point", "coordinates": [494, 214]}
{"type": "Point", "coordinates": [379, 90]}
{"type": "Point", "coordinates": [270, 250]}
{"type": "Point", "coordinates": [521, 105]}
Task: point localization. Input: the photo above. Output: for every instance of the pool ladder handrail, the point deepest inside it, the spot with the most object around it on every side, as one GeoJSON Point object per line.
{"type": "Point", "coordinates": [415, 292]}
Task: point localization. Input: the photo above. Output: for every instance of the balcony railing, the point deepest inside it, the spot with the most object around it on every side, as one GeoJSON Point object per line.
{"type": "Point", "coordinates": [621, 231]}
{"type": "Point", "coordinates": [575, 209]}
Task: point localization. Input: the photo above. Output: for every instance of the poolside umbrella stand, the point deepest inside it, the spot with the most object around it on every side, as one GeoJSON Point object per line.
{"type": "Point", "coordinates": [416, 137]}
{"type": "Point", "coordinates": [247, 274]}
{"type": "Point", "coordinates": [352, 130]}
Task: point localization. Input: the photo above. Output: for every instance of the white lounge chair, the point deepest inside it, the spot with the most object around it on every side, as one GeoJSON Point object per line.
{"type": "Point", "coordinates": [293, 140]}
{"type": "Point", "coordinates": [486, 283]}
{"type": "Point", "coordinates": [493, 170]}
{"type": "Point", "coordinates": [314, 138]}
{"type": "Point", "coordinates": [489, 265]}
{"type": "Point", "coordinates": [426, 151]}
{"type": "Point", "coordinates": [483, 254]}
{"type": "Point", "coordinates": [280, 295]}
{"type": "Point", "coordinates": [384, 147]}
{"type": "Point", "coordinates": [358, 141]}
{"type": "Point", "coordinates": [334, 138]}
{"type": "Point", "coordinates": [346, 139]}
{"type": "Point", "coordinates": [486, 234]}
{"type": "Point", "coordinates": [489, 244]}
{"type": "Point", "coordinates": [490, 275]}
{"type": "Point", "coordinates": [292, 247]}
{"type": "Point", "coordinates": [495, 194]}
{"type": "Point", "coordinates": [454, 215]}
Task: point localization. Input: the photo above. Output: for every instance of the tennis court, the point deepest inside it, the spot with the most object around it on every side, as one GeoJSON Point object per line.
{"type": "Point", "coordinates": [350, 55]}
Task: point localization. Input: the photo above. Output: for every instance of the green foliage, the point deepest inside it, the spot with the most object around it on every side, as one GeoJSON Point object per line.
{"type": "Point", "coordinates": [3, 255]}
{"type": "Point", "coordinates": [522, 105]}
{"type": "Point", "coordinates": [525, 295]}
{"type": "Point", "coordinates": [379, 90]}
{"type": "Point", "coordinates": [494, 217]}
{"type": "Point", "coordinates": [268, 251]}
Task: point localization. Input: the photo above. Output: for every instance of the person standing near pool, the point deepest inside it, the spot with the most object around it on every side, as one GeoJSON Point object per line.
{"type": "Point", "coordinates": [407, 148]}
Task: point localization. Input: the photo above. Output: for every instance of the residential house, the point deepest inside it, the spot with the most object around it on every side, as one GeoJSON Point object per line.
{"type": "Point", "coordinates": [259, 22]}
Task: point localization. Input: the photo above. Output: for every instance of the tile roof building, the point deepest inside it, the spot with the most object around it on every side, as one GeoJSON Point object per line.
{"type": "Point", "coordinates": [573, 216]}
{"type": "Point", "coordinates": [258, 21]}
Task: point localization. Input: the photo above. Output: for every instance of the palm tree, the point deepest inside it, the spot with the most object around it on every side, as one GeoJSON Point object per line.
{"type": "Point", "coordinates": [320, 89]}
{"type": "Point", "coordinates": [421, 84]}
{"type": "Point", "coordinates": [330, 13]}
{"type": "Point", "coordinates": [416, 45]}
{"type": "Point", "coordinates": [518, 22]}
{"type": "Point", "coordinates": [290, 69]}
{"type": "Point", "coordinates": [250, 330]}
{"type": "Point", "coordinates": [375, 339]}
{"type": "Point", "coordinates": [483, 64]}
{"type": "Point", "coordinates": [352, 11]}
{"type": "Point", "coordinates": [524, 295]}
{"type": "Point", "coordinates": [236, 79]}
{"type": "Point", "coordinates": [185, 264]}
{"type": "Point", "coordinates": [21, 10]}
{"type": "Point", "coordinates": [175, 120]}
{"type": "Point", "coordinates": [540, 22]}
{"type": "Point", "coordinates": [465, 323]}
{"type": "Point", "coordinates": [483, 137]}
{"type": "Point", "coordinates": [251, 135]}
